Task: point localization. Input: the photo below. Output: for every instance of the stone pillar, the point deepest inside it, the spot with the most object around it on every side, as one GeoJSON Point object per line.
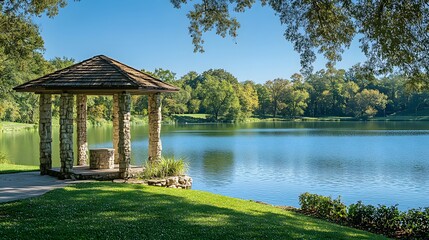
{"type": "Point", "coordinates": [66, 133]}
{"type": "Point", "coordinates": [116, 126]}
{"type": "Point", "coordinates": [45, 132]}
{"type": "Point", "coordinates": [124, 145]}
{"type": "Point", "coordinates": [81, 140]}
{"type": "Point", "coordinates": [155, 146]}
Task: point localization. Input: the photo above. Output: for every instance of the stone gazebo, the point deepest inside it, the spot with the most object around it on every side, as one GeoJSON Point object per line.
{"type": "Point", "coordinates": [99, 75]}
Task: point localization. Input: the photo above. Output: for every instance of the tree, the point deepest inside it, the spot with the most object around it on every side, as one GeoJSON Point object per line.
{"type": "Point", "coordinates": [277, 89]}
{"type": "Point", "coordinates": [367, 103]}
{"type": "Point", "coordinates": [296, 102]}
{"type": "Point", "coordinates": [248, 98]}
{"type": "Point", "coordinates": [263, 99]}
{"type": "Point", "coordinates": [221, 74]}
{"type": "Point", "coordinates": [393, 34]}
{"type": "Point", "coordinates": [19, 36]}
{"type": "Point", "coordinates": [219, 98]}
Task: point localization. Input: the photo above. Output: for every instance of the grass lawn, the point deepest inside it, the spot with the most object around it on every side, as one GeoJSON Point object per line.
{"type": "Point", "coordinates": [13, 168]}
{"type": "Point", "coordinates": [125, 211]}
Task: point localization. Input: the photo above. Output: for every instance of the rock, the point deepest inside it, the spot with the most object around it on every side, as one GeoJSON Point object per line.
{"type": "Point", "coordinates": [172, 181]}
{"type": "Point", "coordinates": [172, 186]}
{"type": "Point", "coordinates": [135, 181]}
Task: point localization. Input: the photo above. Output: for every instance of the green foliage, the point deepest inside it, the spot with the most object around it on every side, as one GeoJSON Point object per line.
{"type": "Point", "coordinates": [3, 159]}
{"type": "Point", "coordinates": [218, 93]}
{"type": "Point", "coordinates": [416, 223]}
{"type": "Point", "coordinates": [361, 215]}
{"type": "Point", "coordinates": [277, 89]}
{"type": "Point", "coordinates": [165, 168]}
{"type": "Point", "coordinates": [393, 34]}
{"type": "Point", "coordinates": [389, 221]}
{"type": "Point", "coordinates": [323, 207]}
{"type": "Point", "coordinates": [219, 98]}
{"type": "Point", "coordinates": [20, 37]}
{"type": "Point", "coordinates": [367, 103]}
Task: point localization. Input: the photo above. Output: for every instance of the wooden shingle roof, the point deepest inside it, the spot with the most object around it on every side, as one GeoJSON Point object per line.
{"type": "Point", "coordinates": [97, 75]}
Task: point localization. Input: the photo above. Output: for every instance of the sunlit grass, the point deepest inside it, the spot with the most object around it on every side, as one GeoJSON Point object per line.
{"type": "Point", "coordinates": [122, 211]}
{"type": "Point", "coordinates": [13, 168]}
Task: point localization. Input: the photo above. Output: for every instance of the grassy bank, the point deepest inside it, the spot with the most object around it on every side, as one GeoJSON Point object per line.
{"type": "Point", "coordinates": [123, 211]}
{"type": "Point", "coordinates": [13, 168]}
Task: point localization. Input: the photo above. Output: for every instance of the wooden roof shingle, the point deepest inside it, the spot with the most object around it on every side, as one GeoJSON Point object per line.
{"type": "Point", "coordinates": [97, 75]}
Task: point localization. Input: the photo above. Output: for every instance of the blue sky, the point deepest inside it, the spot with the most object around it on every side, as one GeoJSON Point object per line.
{"type": "Point", "coordinates": [152, 34]}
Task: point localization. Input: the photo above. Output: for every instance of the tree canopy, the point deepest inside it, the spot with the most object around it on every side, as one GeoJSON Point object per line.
{"type": "Point", "coordinates": [19, 36]}
{"type": "Point", "coordinates": [394, 35]}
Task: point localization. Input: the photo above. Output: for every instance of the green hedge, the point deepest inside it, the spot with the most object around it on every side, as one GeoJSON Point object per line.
{"type": "Point", "coordinates": [389, 221]}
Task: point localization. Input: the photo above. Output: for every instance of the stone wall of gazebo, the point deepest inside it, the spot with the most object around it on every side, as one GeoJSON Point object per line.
{"type": "Point", "coordinates": [121, 131]}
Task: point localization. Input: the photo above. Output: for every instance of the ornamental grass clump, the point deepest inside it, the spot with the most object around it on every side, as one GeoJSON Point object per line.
{"type": "Point", "coordinates": [165, 168]}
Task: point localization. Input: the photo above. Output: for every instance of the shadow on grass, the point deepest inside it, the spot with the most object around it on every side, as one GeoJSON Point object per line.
{"type": "Point", "coordinates": [120, 211]}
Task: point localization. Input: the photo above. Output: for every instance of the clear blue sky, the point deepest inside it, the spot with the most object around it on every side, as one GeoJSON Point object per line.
{"type": "Point", "coordinates": [152, 34]}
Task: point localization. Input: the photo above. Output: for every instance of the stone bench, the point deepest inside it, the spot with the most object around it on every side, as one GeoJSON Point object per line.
{"type": "Point", "coordinates": [101, 158]}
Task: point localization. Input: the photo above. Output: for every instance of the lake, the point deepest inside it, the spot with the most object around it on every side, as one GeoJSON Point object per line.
{"type": "Point", "coordinates": [376, 162]}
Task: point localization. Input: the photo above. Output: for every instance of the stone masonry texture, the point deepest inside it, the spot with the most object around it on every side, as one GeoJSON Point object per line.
{"type": "Point", "coordinates": [155, 146]}
{"type": "Point", "coordinates": [81, 141]}
{"type": "Point", "coordinates": [45, 132]}
{"type": "Point", "coordinates": [124, 145]}
{"type": "Point", "coordinates": [116, 126]}
{"type": "Point", "coordinates": [66, 132]}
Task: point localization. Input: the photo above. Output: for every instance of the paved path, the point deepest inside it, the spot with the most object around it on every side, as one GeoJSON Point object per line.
{"type": "Point", "coordinates": [16, 186]}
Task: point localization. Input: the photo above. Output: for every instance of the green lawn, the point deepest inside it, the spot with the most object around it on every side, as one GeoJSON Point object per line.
{"type": "Point", "coordinates": [125, 211]}
{"type": "Point", "coordinates": [13, 168]}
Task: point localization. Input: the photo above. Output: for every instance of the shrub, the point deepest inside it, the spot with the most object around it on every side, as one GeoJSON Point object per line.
{"type": "Point", "coordinates": [361, 215]}
{"type": "Point", "coordinates": [416, 223]}
{"type": "Point", "coordinates": [166, 167]}
{"type": "Point", "coordinates": [323, 207]}
{"type": "Point", "coordinates": [387, 220]}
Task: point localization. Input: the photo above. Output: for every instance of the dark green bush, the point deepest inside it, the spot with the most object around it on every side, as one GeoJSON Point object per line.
{"type": "Point", "coordinates": [416, 223]}
{"type": "Point", "coordinates": [323, 207]}
{"type": "Point", "coordinates": [361, 215]}
{"type": "Point", "coordinates": [389, 221]}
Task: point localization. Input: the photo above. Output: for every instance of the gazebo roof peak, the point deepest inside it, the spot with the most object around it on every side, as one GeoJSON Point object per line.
{"type": "Point", "coordinates": [97, 75]}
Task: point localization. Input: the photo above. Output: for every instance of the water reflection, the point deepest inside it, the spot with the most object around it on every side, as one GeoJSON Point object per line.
{"type": "Point", "coordinates": [218, 167]}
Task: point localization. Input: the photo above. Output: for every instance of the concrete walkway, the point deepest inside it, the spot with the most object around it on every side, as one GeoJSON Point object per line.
{"type": "Point", "coordinates": [16, 186]}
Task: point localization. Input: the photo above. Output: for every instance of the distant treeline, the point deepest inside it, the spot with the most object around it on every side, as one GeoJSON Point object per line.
{"type": "Point", "coordinates": [223, 97]}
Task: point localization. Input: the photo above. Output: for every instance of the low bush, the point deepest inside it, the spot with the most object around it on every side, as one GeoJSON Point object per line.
{"type": "Point", "coordinates": [361, 215]}
{"type": "Point", "coordinates": [416, 223]}
{"type": "Point", "coordinates": [323, 207]}
{"type": "Point", "coordinates": [389, 221]}
{"type": "Point", "coordinates": [166, 167]}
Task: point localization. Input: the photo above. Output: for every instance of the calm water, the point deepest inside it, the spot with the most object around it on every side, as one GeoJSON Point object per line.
{"type": "Point", "coordinates": [377, 162]}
